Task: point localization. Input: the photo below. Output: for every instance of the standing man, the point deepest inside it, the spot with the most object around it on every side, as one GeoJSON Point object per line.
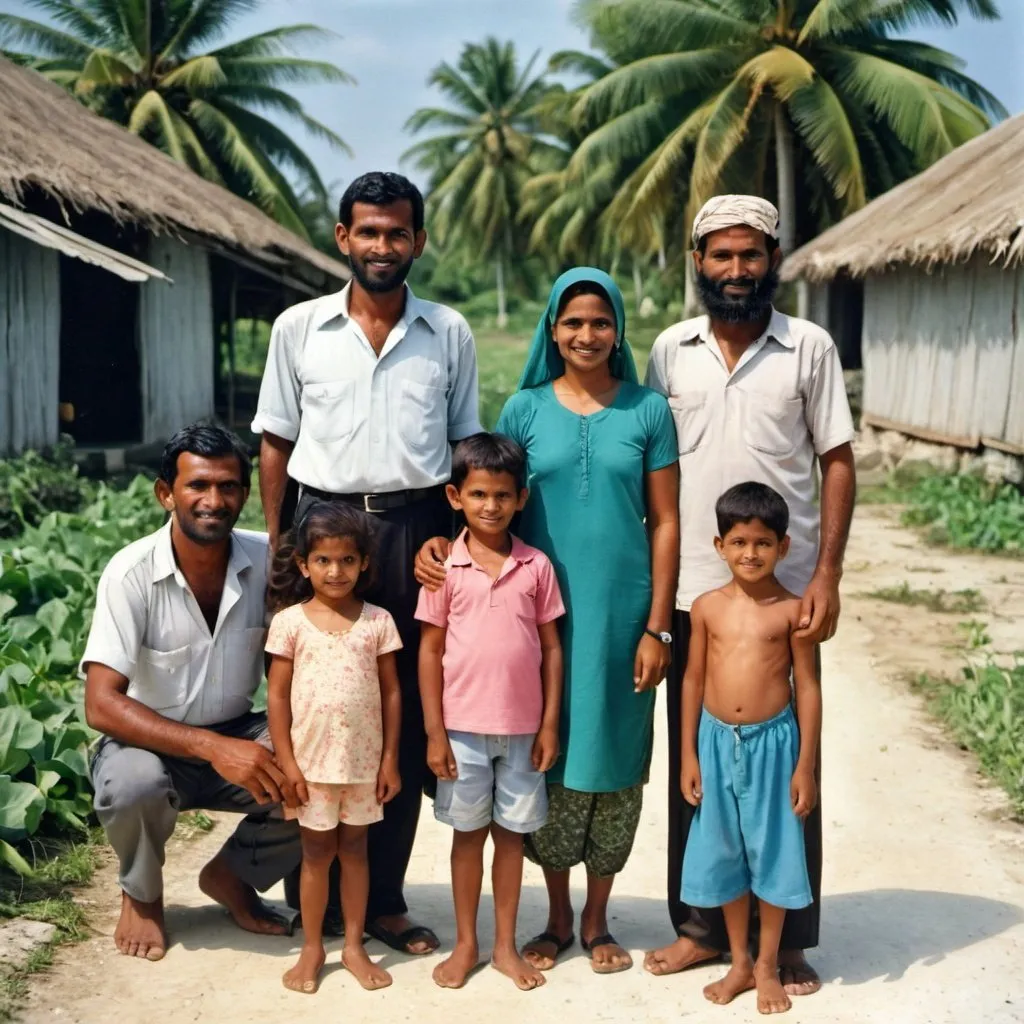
{"type": "Point", "coordinates": [756, 395]}
{"type": "Point", "coordinates": [363, 394]}
{"type": "Point", "coordinates": [174, 656]}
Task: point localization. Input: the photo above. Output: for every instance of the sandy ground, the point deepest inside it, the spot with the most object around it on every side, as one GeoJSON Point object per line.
{"type": "Point", "coordinates": [923, 916]}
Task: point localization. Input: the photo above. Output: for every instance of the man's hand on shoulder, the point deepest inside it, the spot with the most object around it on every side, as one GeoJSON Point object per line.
{"type": "Point", "coordinates": [429, 567]}
{"type": "Point", "coordinates": [819, 609]}
{"type": "Point", "coordinates": [251, 765]}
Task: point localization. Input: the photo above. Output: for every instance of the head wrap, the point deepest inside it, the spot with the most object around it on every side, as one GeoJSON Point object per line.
{"type": "Point", "coordinates": [544, 363]}
{"type": "Point", "coordinates": [721, 212]}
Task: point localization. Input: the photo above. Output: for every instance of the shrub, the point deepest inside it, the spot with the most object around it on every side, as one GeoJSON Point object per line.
{"type": "Point", "coordinates": [35, 484]}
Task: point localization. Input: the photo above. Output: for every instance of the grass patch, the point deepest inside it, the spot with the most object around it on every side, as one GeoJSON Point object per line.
{"type": "Point", "coordinates": [192, 824]}
{"type": "Point", "coordinates": [960, 602]}
{"type": "Point", "coordinates": [60, 867]}
{"type": "Point", "coordinates": [984, 712]}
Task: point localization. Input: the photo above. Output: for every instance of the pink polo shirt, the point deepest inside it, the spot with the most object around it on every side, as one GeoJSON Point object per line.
{"type": "Point", "coordinates": [492, 652]}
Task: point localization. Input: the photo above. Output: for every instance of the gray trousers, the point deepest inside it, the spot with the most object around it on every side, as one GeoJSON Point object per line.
{"type": "Point", "coordinates": [138, 797]}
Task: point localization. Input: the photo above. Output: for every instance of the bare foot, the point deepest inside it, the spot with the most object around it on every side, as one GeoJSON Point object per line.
{"type": "Point", "coordinates": [606, 955]}
{"type": "Point", "coordinates": [241, 901]}
{"type": "Point", "coordinates": [453, 972]}
{"type": "Point", "coordinates": [739, 979]}
{"type": "Point", "coordinates": [543, 951]}
{"type": "Point", "coordinates": [398, 924]}
{"type": "Point", "coordinates": [771, 996]}
{"type": "Point", "coordinates": [798, 977]}
{"type": "Point", "coordinates": [140, 931]}
{"type": "Point", "coordinates": [305, 975]}
{"type": "Point", "coordinates": [678, 956]}
{"type": "Point", "coordinates": [513, 966]}
{"type": "Point", "coordinates": [365, 971]}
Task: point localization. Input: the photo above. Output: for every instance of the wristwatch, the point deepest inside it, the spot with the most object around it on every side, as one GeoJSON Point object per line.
{"type": "Point", "coordinates": [665, 638]}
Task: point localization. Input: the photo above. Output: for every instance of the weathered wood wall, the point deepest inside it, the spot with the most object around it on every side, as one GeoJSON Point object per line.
{"type": "Point", "coordinates": [176, 328]}
{"type": "Point", "coordinates": [944, 354]}
{"type": "Point", "coordinates": [29, 344]}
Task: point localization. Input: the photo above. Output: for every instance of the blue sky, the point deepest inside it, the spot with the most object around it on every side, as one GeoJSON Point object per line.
{"type": "Point", "coordinates": [390, 47]}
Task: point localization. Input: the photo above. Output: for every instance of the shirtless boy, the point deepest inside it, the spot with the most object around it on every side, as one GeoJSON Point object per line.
{"type": "Point", "coordinates": [748, 761]}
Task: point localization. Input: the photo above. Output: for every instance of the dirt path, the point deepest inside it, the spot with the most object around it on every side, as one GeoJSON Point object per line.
{"type": "Point", "coordinates": [923, 917]}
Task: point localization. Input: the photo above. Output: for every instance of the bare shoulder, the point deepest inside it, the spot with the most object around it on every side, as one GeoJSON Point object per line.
{"type": "Point", "coordinates": [711, 605]}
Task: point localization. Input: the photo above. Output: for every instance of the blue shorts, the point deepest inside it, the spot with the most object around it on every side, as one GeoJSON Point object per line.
{"type": "Point", "coordinates": [497, 782]}
{"type": "Point", "coordinates": [744, 836]}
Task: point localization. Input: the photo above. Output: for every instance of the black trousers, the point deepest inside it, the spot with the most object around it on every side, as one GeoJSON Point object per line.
{"type": "Point", "coordinates": [707, 926]}
{"type": "Point", "coordinates": [398, 535]}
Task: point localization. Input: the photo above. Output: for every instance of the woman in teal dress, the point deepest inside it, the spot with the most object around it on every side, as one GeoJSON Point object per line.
{"type": "Point", "coordinates": [602, 460]}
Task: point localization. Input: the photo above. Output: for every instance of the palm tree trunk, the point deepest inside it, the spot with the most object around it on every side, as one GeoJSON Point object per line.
{"type": "Point", "coordinates": [691, 306]}
{"type": "Point", "coordinates": [662, 260]}
{"type": "Point", "coordinates": [786, 180]}
{"type": "Point", "coordinates": [502, 312]}
{"type": "Point", "coordinates": [638, 284]}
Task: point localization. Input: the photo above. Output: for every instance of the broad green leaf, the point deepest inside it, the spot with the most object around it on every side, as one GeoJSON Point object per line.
{"type": "Point", "coordinates": [8, 602]}
{"type": "Point", "coordinates": [45, 781]}
{"type": "Point", "coordinates": [21, 807]}
{"type": "Point", "coordinates": [54, 614]}
{"type": "Point", "coordinates": [14, 860]}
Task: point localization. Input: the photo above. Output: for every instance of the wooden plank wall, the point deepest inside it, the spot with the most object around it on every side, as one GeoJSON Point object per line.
{"type": "Point", "coordinates": [29, 344]}
{"type": "Point", "coordinates": [944, 352]}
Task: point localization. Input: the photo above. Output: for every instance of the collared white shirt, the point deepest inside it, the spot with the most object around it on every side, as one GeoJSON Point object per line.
{"type": "Point", "coordinates": [149, 627]}
{"type": "Point", "coordinates": [363, 424]}
{"type": "Point", "coordinates": [783, 404]}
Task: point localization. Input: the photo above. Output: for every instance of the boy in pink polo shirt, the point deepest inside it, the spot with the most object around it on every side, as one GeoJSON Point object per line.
{"type": "Point", "coordinates": [491, 681]}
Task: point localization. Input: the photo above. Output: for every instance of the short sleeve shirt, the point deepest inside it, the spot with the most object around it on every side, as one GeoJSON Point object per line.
{"type": "Point", "coordinates": [783, 405]}
{"type": "Point", "coordinates": [492, 654]}
{"type": "Point", "coordinates": [337, 722]}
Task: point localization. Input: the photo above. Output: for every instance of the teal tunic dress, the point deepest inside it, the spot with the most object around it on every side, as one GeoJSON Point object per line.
{"type": "Point", "coordinates": [586, 513]}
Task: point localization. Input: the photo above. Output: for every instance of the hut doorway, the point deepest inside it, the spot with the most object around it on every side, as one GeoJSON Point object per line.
{"type": "Point", "coordinates": [100, 370]}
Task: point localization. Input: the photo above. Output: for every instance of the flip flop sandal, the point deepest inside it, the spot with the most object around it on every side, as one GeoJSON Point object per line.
{"type": "Point", "coordinates": [287, 919]}
{"type": "Point", "coordinates": [561, 945]}
{"type": "Point", "coordinates": [401, 941]}
{"type": "Point", "coordinates": [602, 940]}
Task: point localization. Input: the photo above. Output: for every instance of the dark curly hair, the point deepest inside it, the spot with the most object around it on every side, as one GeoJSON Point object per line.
{"type": "Point", "coordinates": [322, 520]}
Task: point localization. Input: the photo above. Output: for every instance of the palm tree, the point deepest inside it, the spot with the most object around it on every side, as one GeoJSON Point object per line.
{"type": "Point", "coordinates": [754, 95]}
{"type": "Point", "coordinates": [145, 64]}
{"type": "Point", "coordinates": [488, 148]}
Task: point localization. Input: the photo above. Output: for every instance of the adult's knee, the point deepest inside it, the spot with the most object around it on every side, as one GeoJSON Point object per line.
{"type": "Point", "coordinates": [130, 781]}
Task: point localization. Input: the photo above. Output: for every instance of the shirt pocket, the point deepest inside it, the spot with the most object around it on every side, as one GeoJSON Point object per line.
{"type": "Point", "coordinates": [328, 410]}
{"type": "Point", "coordinates": [242, 664]}
{"type": "Point", "coordinates": [772, 424]}
{"type": "Point", "coordinates": [422, 416]}
{"type": "Point", "coordinates": [690, 413]}
{"type": "Point", "coordinates": [162, 678]}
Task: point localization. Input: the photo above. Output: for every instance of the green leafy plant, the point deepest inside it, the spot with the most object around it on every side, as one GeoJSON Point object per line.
{"type": "Point", "coordinates": [34, 484]}
{"type": "Point", "coordinates": [964, 511]}
{"type": "Point", "coordinates": [963, 602]}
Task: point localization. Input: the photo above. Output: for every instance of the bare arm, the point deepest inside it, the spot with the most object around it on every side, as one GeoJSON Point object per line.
{"type": "Point", "coordinates": [819, 611]}
{"type": "Point", "coordinates": [663, 531]}
{"type": "Point", "coordinates": [807, 688]}
{"type": "Point", "coordinates": [389, 782]}
{"type": "Point", "coordinates": [110, 710]}
{"type": "Point", "coordinates": [439, 752]}
{"type": "Point", "coordinates": [691, 704]}
{"type": "Point", "coordinates": [274, 455]}
{"type": "Point", "coordinates": [279, 719]}
{"type": "Point", "coordinates": [545, 747]}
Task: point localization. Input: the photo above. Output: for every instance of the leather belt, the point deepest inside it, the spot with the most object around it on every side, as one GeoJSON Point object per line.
{"type": "Point", "coordinates": [374, 503]}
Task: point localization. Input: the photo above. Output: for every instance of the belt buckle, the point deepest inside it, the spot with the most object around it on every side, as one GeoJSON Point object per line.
{"type": "Point", "coordinates": [367, 503]}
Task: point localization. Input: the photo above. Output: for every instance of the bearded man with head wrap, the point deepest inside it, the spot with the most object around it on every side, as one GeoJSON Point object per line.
{"type": "Point", "coordinates": [756, 395]}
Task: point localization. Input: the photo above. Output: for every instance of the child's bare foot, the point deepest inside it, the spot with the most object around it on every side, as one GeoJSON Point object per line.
{"type": "Point", "coordinates": [453, 972]}
{"type": "Point", "coordinates": [140, 931]}
{"type": "Point", "coordinates": [365, 971]}
{"type": "Point", "coordinates": [305, 975]}
{"type": "Point", "coordinates": [513, 966]}
{"type": "Point", "coordinates": [771, 996]}
{"type": "Point", "coordinates": [739, 979]}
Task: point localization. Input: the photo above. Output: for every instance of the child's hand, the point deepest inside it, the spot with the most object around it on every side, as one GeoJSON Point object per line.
{"type": "Point", "coordinates": [803, 791]}
{"type": "Point", "coordinates": [545, 749]}
{"type": "Point", "coordinates": [689, 781]}
{"type": "Point", "coordinates": [440, 758]}
{"type": "Point", "coordinates": [294, 792]}
{"type": "Point", "coordinates": [389, 782]}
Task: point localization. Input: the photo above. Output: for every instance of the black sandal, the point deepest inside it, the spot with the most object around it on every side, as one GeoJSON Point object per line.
{"type": "Point", "coordinates": [603, 940]}
{"type": "Point", "coordinates": [401, 941]}
{"type": "Point", "coordinates": [561, 945]}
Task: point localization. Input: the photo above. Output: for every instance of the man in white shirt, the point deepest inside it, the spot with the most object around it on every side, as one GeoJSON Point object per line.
{"type": "Point", "coordinates": [174, 656]}
{"type": "Point", "coordinates": [756, 395]}
{"type": "Point", "coordinates": [363, 393]}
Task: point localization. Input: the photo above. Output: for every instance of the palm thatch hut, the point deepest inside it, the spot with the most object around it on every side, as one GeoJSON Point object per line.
{"type": "Point", "coordinates": [940, 260]}
{"type": "Point", "coordinates": [122, 274]}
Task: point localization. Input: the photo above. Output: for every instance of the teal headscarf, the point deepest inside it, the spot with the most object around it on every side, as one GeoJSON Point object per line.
{"type": "Point", "coordinates": [544, 363]}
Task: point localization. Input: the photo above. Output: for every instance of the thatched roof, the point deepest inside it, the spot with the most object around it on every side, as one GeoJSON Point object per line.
{"type": "Point", "coordinates": [50, 141]}
{"type": "Point", "coordinates": [971, 201]}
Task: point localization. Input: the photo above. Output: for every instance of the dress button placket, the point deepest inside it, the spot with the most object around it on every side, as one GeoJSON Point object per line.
{"type": "Point", "coordinates": [584, 456]}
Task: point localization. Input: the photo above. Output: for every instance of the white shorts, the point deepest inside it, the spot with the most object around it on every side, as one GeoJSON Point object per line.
{"type": "Point", "coordinates": [350, 803]}
{"type": "Point", "coordinates": [497, 782]}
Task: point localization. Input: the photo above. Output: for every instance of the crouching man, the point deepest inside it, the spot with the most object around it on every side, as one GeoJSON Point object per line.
{"type": "Point", "coordinates": [174, 657]}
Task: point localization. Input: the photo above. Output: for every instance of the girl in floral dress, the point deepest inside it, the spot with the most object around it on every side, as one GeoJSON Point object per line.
{"type": "Point", "coordinates": [334, 707]}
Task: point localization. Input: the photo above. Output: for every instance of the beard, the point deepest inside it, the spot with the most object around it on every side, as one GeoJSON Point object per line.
{"type": "Point", "coordinates": [375, 280]}
{"type": "Point", "coordinates": [204, 530]}
{"type": "Point", "coordinates": [738, 309]}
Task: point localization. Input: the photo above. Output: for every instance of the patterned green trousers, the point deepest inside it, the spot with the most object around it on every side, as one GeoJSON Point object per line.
{"type": "Point", "coordinates": [595, 829]}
